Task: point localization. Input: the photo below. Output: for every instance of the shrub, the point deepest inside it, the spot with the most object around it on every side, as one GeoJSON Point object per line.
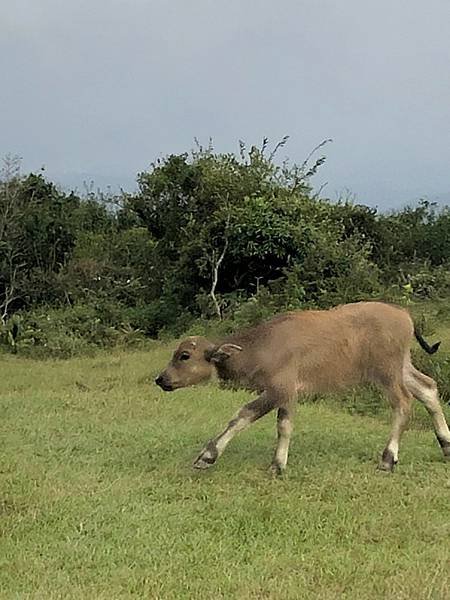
{"type": "Point", "coordinates": [70, 331]}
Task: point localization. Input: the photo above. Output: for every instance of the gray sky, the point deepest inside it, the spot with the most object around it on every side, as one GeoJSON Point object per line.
{"type": "Point", "coordinates": [100, 88]}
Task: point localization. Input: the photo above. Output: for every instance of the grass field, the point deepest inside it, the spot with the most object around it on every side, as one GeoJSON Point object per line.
{"type": "Point", "coordinates": [99, 501]}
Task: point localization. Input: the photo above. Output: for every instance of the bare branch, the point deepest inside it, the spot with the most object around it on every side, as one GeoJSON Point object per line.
{"type": "Point", "coordinates": [9, 176]}
{"type": "Point", "coordinates": [242, 150]}
{"type": "Point", "coordinates": [320, 190]}
{"type": "Point", "coordinates": [264, 145]}
{"type": "Point", "coordinates": [302, 173]}
{"type": "Point", "coordinates": [9, 297]}
{"type": "Point", "coordinates": [280, 144]}
{"type": "Point", "coordinates": [215, 269]}
{"type": "Point", "coordinates": [313, 151]}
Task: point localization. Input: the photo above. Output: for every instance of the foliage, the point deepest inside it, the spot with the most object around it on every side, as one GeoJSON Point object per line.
{"type": "Point", "coordinates": [39, 228]}
{"type": "Point", "coordinates": [64, 332]}
{"type": "Point", "coordinates": [239, 236]}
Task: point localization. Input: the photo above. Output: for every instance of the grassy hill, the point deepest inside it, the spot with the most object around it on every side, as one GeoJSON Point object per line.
{"type": "Point", "coordinates": [98, 498]}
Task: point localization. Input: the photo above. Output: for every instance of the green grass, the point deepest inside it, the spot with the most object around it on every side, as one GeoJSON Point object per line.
{"type": "Point", "coordinates": [98, 498]}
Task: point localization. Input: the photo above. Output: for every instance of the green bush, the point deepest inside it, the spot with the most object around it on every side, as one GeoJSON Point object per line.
{"type": "Point", "coordinates": [163, 316]}
{"type": "Point", "coordinates": [70, 331]}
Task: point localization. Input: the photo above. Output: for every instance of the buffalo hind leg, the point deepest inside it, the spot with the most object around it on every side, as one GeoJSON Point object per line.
{"type": "Point", "coordinates": [248, 414]}
{"type": "Point", "coordinates": [401, 400]}
{"type": "Point", "coordinates": [284, 429]}
{"type": "Point", "coordinates": [425, 390]}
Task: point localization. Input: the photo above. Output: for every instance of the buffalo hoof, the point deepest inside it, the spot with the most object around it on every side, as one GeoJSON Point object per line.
{"type": "Point", "coordinates": [202, 463]}
{"type": "Point", "coordinates": [388, 462]}
{"type": "Point", "coordinates": [445, 445]}
{"type": "Point", "coordinates": [385, 469]}
{"type": "Point", "coordinates": [276, 470]}
{"type": "Point", "coordinates": [207, 457]}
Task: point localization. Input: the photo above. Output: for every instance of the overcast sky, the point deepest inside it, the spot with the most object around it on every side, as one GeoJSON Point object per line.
{"type": "Point", "coordinates": [100, 88]}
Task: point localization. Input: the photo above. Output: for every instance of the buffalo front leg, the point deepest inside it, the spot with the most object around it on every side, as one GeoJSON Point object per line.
{"type": "Point", "coordinates": [284, 429]}
{"type": "Point", "coordinates": [247, 415]}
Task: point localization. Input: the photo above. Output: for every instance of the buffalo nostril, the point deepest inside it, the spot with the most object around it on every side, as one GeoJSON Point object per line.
{"type": "Point", "coordinates": [162, 382]}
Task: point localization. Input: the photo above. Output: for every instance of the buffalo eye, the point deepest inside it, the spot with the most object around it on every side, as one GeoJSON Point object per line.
{"type": "Point", "coordinates": [185, 356]}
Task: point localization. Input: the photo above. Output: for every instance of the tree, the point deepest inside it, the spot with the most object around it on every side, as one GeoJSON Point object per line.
{"type": "Point", "coordinates": [225, 224]}
{"type": "Point", "coordinates": [11, 257]}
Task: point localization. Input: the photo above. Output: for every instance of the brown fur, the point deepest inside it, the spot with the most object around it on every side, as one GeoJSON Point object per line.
{"type": "Point", "coordinates": [313, 352]}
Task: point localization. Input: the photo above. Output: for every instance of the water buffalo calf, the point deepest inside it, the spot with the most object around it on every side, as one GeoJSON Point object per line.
{"type": "Point", "coordinates": [308, 352]}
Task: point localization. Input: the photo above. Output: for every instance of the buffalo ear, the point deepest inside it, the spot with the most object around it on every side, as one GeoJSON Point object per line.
{"type": "Point", "coordinates": [223, 352]}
